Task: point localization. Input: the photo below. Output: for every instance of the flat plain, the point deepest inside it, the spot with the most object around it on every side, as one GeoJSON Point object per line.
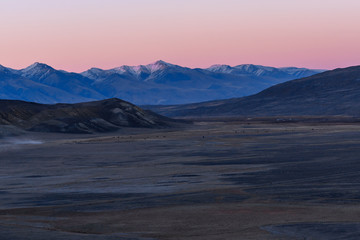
{"type": "Point", "coordinates": [207, 180]}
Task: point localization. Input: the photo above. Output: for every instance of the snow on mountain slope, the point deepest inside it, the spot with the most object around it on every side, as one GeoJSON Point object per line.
{"type": "Point", "coordinates": [260, 71]}
{"type": "Point", "coordinates": [37, 71]}
{"type": "Point", "coordinates": [156, 83]}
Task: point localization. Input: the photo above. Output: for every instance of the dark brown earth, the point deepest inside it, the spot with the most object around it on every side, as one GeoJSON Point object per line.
{"type": "Point", "coordinates": [89, 117]}
{"type": "Point", "coordinates": [211, 180]}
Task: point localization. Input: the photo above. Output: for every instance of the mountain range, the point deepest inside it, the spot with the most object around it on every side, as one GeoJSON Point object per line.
{"type": "Point", "coordinates": [156, 83]}
{"type": "Point", "coordinates": [331, 93]}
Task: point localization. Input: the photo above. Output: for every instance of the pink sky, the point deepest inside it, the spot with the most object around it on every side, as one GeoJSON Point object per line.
{"type": "Point", "coordinates": [75, 35]}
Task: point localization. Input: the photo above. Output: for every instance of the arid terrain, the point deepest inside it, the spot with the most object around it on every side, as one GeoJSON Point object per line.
{"type": "Point", "coordinates": [207, 180]}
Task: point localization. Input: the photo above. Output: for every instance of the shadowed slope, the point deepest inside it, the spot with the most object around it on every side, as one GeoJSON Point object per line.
{"type": "Point", "coordinates": [99, 116]}
{"type": "Point", "coordinates": [334, 92]}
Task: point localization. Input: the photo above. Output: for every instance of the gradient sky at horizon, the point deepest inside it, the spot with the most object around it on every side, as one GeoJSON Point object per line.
{"type": "Point", "coordinates": [75, 35]}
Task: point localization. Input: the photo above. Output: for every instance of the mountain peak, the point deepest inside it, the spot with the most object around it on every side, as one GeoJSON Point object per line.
{"type": "Point", "coordinates": [256, 69]}
{"type": "Point", "coordinates": [249, 66]}
{"type": "Point", "coordinates": [223, 68]}
{"type": "Point", "coordinates": [94, 69]}
{"type": "Point", "coordinates": [36, 70]}
{"type": "Point", "coordinates": [219, 65]}
{"type": "Point", "coordinates": [93, 73]}
{"type": "Point", "coordinates": [38, 65]}
{"type": "Point", "coordinates": [160, 64]}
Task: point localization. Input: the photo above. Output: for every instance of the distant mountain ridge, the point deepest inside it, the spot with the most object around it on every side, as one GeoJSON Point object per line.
{"type": "Point", "coordinates": [331, 93]}
{"type": "Point", "coordinates": [156, 83]}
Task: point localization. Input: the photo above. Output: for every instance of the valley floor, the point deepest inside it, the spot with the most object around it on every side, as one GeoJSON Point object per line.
{"type": "Point", "coordinates": [211, 180]}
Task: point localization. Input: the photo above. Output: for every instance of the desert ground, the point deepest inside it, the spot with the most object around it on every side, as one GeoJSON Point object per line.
{"type": "Point", "coordinates": [207, 180]}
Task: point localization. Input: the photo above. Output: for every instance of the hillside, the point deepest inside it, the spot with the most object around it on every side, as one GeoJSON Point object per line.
{"type": "Point", "coordinates": [88, 117]}
{"type": "Point", "coordinates": [335, 92]}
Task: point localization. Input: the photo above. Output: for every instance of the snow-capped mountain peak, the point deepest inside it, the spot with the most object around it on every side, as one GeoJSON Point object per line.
{"type": "Point", "coordinates": [133, 70]}
{"type": "Point", "coordinates": [96, 70]}
{"type": "Point", "coordinates": [220, 68]}
{"type": "Point", "coordinates": [37, 70]}
{"type": "Point", "coordinates": [93, 73]}
{"type": "Point", "coordinates": [37, 66]}
{"type": "Point", "coordinates": [158, 65]}
{"type": "Point", "coordinates": [258, 70]}
{"type": "Point", "coordinates": [252, 67]}
{"type": "Point", "coordinates": [141, 70]}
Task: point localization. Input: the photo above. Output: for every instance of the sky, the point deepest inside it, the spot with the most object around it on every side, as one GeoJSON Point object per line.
{"type": "Point", "coordinates": [75, 35]}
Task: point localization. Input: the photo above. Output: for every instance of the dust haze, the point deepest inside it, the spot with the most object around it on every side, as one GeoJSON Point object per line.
{"type": "Point", "coordinates": [10, 143]}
